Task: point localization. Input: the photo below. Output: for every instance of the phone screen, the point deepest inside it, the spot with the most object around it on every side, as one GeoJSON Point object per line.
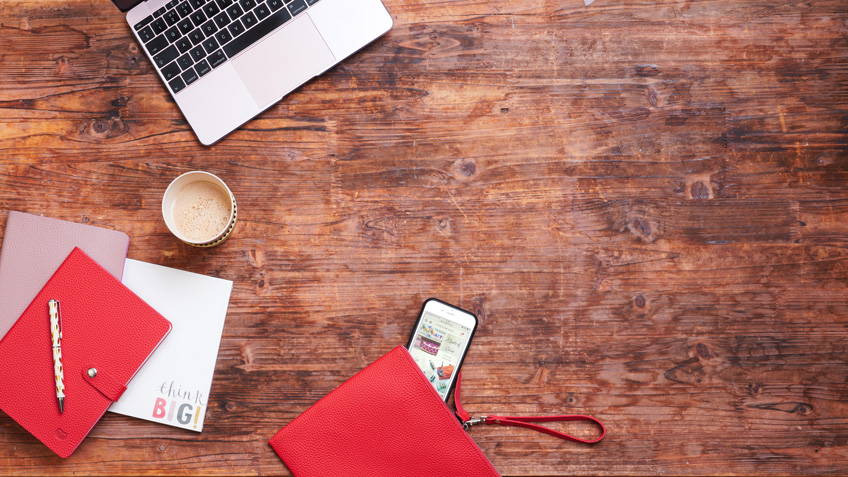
{"type": "Point", "coordinates": [439, 342]}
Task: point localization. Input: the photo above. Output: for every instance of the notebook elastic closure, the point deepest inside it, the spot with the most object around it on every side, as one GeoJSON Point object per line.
{"type": "Point", "coordinates": [103, 382]}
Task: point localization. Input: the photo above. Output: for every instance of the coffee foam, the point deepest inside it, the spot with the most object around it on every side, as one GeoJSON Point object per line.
{"type": "Point", "coordinates": [201, 211]}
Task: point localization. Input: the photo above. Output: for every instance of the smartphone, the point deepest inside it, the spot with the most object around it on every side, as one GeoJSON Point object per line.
{"type": "Point", "coordinates": [439, 342]}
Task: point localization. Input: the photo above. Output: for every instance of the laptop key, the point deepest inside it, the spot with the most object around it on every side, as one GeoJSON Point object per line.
{"type": "Point", "coordinates": [209, 28]}
{"type": "Point", "coordinates": [249, 19]}
{"type": "Point", "coordinates": [236, 28]}
{"type": "Point", "coordinates": [160, 12]}
{"type": "Point", "coordinates": [172, 34]}
{"type": "Point", "coordinates": [262, 11]}
{"type": "Point", "coordinates": [223, 36]}
{"type": "Point", "coordinates": [222, 19]}
{"type": "Point", "coordinates": [196, 36]}
{"type": "Point", "coordinates": [159, 25]}
{"type": "Point", "coordinates": [217, 58]}
{"type": "Point", "coordinates": [297, 6]}
{"type": "Point", "coordinates": [171, 71]}
{"type": "Point", "coordinates": [210, 44]}
{"type": "Point", "coordinates": [202, 67]}
{"type": "Point", "coordinates": [185, 26]}
{"type": "Point", "coordinates": [196, 3]}
{"type": "Point", "coordinates": [183, 44]}
{"type": "Point", "coordinates": [211, 9]}
{"type": "Point", "coordinates": [197, 53]}
{"type": "Point", "coordinates": [166, 56]}
{"type": "Point", "coordinates": [184, 9]}
{"type": "Point", "coordinates": [146, 34]}
{"type": "Point", "coordinates": [234, 11]}
{"type": "Point", "coordinates": [256, 33]}
{"type": "Point", "coordinates": [311, 2]}
{"type": "Point", "coordinates": [247, 5]}
{"type": "Point", "coordinates": [138, 26]}
{"type": "Point", "coordinates": [190, 76]}
{"type": "Point", "coordinates": [276, 4]}
{"type": "Point", "coordinates": [171, 17]}
{"type": "Point", "coordinates": [222, 4]}
{"type": "Point", "coordinates": [156, 45]}
{"type": "Point", "coordinates": [185, 61]}
{"type": "Point", "coordinates": [176, 84]}
{"type": "Point", "coordinates": [172, 3]}
{"type": "Point", "coordinates": [198, 18]}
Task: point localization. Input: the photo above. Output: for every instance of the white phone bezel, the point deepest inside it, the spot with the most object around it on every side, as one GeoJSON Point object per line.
{"type": "Point", "coordinates": [442, 309]}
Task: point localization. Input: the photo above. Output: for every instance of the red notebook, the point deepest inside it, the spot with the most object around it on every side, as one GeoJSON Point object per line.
{"type": "Point", "coordinates": [386, 421]}
{"type": "Point", "coordinates": [105, 327]}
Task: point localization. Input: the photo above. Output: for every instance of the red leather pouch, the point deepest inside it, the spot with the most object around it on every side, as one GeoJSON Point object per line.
{"type": "Point", "coordinates": [388, 421]}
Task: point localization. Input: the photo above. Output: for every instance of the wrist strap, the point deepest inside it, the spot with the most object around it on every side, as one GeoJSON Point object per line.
{"type": "Point", "coordinates": [524, 421]}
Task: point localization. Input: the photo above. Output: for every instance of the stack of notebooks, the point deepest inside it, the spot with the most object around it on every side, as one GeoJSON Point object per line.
{"type": "Point", "coordinates": [136, 339]}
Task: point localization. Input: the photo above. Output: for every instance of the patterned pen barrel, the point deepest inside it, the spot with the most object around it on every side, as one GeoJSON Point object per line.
{"type": "Point", "coordinates": [56, 338]}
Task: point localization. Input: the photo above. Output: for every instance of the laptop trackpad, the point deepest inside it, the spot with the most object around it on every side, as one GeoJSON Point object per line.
{"type": "Point", "coordinates": [283, 61]}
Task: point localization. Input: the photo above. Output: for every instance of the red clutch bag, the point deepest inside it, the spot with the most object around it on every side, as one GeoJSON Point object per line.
{"type": "Point", "coordinates": [388, 421]}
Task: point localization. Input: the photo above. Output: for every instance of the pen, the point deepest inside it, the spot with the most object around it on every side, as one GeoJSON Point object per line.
{"type": "Point", "coordinates": [56, 338]}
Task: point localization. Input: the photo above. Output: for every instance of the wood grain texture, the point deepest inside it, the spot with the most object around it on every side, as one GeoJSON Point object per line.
{"type": "Point", "coordinates": [644, 201]}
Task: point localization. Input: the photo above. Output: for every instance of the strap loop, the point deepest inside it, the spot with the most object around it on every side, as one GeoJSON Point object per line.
{"type": "Point", "coordinates": [103, 382]}
{"type": "Point", "coordinates": [524, 421]}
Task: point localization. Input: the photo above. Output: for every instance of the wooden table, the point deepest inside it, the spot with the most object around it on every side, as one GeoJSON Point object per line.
{"type": "Point", "coordinates": [645, 202]}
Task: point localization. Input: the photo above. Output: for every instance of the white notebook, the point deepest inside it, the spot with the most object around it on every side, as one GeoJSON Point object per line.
{"type": "Point", "coordinates": [173, 385]}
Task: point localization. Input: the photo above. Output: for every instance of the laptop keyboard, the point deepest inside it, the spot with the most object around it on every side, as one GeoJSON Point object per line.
{"type": "Point", "coordinates": [189, 38]}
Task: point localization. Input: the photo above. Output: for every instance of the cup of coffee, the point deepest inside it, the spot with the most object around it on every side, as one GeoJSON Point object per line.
{"type": "Point", "coordinates": [199, 209]}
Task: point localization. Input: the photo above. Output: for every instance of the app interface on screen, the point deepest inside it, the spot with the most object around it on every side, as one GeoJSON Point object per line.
{"type": "Point", "coordinates": [437, 348]}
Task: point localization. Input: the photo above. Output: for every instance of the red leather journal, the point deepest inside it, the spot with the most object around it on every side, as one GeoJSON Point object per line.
{"type": "Point", "coordinates": [387, 420]}
{"type": "Point", "coordinates": [105, 327]}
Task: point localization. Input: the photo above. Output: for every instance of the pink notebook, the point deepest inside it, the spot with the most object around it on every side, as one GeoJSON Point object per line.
{"type": "Point", "coordinates": [35, 246]}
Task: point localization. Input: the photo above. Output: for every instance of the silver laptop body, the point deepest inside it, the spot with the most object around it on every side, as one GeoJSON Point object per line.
{"type": "Point", "coordinates": [225, 61]}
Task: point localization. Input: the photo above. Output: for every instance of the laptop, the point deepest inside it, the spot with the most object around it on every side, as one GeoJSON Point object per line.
{"type": "Point", "coordinates": [225, 61]}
